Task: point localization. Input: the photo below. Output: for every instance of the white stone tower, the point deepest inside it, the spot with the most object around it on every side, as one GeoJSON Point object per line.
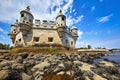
{"type": "Point", "coordinates": [61, 24]}
{"type": "Point", "coordinates": [14, 30]}
{"type": "Point", "coordinates": [26, 21]}
{"type": "Point", "coordinates": [74, 31]}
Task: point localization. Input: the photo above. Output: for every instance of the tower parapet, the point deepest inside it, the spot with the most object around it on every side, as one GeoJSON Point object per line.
{"type": "Point", "coordinates": [14, 30]}
{"type": "Point", "coordinates": [61, 24]}
{"type": "Point", "coordinates": [74, 32]}
{"type": "Point", "coordinates": [26, 21]}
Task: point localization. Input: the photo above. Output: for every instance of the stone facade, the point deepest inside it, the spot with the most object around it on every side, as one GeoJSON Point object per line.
{"type": "Point", "coordinates": [25, 33]}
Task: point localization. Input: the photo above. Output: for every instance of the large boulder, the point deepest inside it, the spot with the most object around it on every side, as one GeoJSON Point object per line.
{"type": "Point", "coordinates": [26, 77]}
{"type": "Point", "coordinates": [59, 68]}
{"type": "Point", "coordinates": [23, 55]}
{"type": "Point", "coordinates": [18, 66]}
{"type": "Point", "coordinates": [19, 59]}
{"type": "Point", "coordinates": [3, 74]}
{"type": "Point", "coordinates": [106, 63]}
{"type": "Point", "coordinates": [6, 64]}
{"type": "Point", "coordinates": [40, 66]}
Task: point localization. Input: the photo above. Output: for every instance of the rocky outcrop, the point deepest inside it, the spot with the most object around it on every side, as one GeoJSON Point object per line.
{"type": "Point", "coordinates": [48, 67]}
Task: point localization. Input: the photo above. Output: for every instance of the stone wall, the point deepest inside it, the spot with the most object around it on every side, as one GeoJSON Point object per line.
{"type": "Point", "coordinates": [43, 34]}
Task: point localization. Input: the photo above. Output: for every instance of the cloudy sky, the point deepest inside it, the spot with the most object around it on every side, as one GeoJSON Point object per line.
{"type": "Point", "coordinates": [98, 21]}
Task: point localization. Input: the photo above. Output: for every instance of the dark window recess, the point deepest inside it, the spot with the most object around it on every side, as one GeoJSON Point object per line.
{"type": "Point", "coordinates": [30, 21]}
{"type": "Point", "coordinates": [51, 26]}
{"type": "Point", "coordinates": [63, 18]}
{"type": "Point", "coordinates": [50, 39]}
{"type": "Point", "coordinates": [19, 40]}
{"type": "Point", "coordinates": [22, 15]}
{"type": "Point", "coordinates": [36, 39]}
{"type": "Point", "coordinates": [16, 42]}
{"type": "Point", "coordinates": [71, 42]}
{"type": "Point", "coordinates": [66, 41]}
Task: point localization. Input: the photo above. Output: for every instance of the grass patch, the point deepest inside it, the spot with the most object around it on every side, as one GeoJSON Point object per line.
{"type": "Point", "coordinates": [57, 77]}
{"type": "Point", "coordinates": [41, 50]}
{"type": "Point", "coordinates": [53, 49]}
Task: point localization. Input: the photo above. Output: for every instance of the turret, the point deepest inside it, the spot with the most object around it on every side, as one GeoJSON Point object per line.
{"type": "Point", "coordinates": [26, 16]}
{"type": "Point", "coordinates": [61, 23]}
{"type": "Point", "coordinates": [26, 21]}
{"type": "Point", "coordinates": [74, 32]}
{"type": "Point", "coordinates": [14, 30]}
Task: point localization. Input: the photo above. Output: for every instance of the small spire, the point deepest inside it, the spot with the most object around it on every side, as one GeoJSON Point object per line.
{"type": "Point", "coordinates": [74, 27]}
{"type": "Point", "coordinates": [60, 11]}
{"type": "Point", "coordinates": [28, 8]}
{"type": "Point", "coordinates": [16, 20]}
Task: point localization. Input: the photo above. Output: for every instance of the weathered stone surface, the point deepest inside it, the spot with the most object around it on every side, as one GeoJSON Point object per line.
{"type": "Point", "coordinates": [3, 75]}
{"type": "Point", "coordinates": [18, 66]}
{"type": "Point", "coordinates": [61, 73]}
{"type": "Point", "coordinates": [26, 77]}
{"type": "Point", "coordinates": [23, 55]}
{"type": "Point", "coordinates": [97, 77]}
{"type": "Point", "coordinates": [36, 66]}
{"type": "Point", "coordinates": [19, 59]}
{"type": "Point", "coordinates": [59, 68]}
{"type": "Point", "coordinates": [106, 63]}
{"type": "Point", "coordinates": [40, 66]}
{"type": "Point", "coordinates": [6, 64]}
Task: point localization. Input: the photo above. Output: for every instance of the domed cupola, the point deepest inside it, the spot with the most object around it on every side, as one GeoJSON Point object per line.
{"type": "Point", "coordinates": [74, 32]}
{"type": "Point", "coordinates": [61, 20]}
{"type": "Point", "coordinates": [26, 16]}
{"type": "Point", "coordinates": [61, 24]}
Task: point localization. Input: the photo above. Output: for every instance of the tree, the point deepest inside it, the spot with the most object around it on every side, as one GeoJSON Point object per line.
{"type": "Point", "coordinates": [89, 47]}
{"type": "Point", "coordinates": [4, 46]}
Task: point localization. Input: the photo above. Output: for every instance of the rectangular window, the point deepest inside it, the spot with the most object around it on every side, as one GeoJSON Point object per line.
{"type": "Point", "coordinates": [36, 39]}
{"type": "Point", "coordinates": [22, 15]}
{"type": "Point", "coordinates": [71, 42]}
{"type": "Point", "coordinates": [52, 27]}
{"type": "Point", "coordinates": [50, 39]}
{"type": "Point", "coordinates": [66, 41]}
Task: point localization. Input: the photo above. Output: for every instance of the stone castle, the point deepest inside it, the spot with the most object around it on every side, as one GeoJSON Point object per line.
{"type": "Point", "coordinates": [25, 33]}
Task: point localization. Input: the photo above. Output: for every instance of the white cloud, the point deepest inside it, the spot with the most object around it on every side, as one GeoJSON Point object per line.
{"type": "Point", "coordinates": [83, 6]}
{"type": "Point", "coordinates": [101, 0]}
{"type": "Point", "coordinates": [80, 33]}
{"type": "Point", "coordinates": [105, 18]}
{"type": "Point", "coordinates": [1, 30]}
{"type": "Point", "coordinates": [79, 18]}
{"type": "Point", "coordinates": [111, 43]}
{"type": "Point", "coordinates": [79, 43]}
{"type": "Point", "coordinates": [2, 37]}
{"type": "Point", "coordinates": [93, 8]}
{"type": "Point", "coordinates": [71, 20]}
{"type": "Point", "coordinates": [41, 9]}
{"type": "Point", "coordinates": [82, 44]}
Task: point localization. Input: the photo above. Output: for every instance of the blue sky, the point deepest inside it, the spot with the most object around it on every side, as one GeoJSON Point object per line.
{"type": "Point", "coordinates": [98, 21]}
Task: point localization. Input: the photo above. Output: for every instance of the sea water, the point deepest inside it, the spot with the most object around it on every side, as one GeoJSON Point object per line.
{"type": "Point", "coordinates": [114, 57]}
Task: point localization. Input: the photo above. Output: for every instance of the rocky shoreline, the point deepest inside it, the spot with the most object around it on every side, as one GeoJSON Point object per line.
{"type": "Point", "coordinates": [72, 66]}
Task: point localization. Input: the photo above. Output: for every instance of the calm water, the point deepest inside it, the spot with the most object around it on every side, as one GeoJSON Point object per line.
{"type": "Point", "coordinates": [111, 57]}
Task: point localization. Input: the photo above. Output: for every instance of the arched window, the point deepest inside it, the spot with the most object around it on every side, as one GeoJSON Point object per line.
{"type": "Point", "coordinates": [22, 15]}
{"type": "Point", "coordinates": [63, 18]}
